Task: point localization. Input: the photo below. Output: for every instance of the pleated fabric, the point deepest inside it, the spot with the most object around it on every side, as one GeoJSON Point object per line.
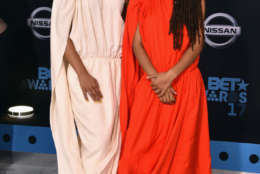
{"type": "Point", "coordinates": [160, 138]}
{"type": "Point", "coordinates": [86, 134]}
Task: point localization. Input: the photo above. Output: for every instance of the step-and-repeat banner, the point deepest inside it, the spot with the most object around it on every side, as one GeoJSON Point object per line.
{"type": "Point", "coordinates": [230, 67]}
{"type": "Point", "coordinates": [25, 53]}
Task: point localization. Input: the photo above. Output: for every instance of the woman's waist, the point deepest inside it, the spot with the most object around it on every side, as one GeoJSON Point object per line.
{"type": "Point", "coordinates": [98, 57]}
{"type": "Point", "coordinates": [167, 67]}
{"type": "Point", "coordinates": [186, 79]}
{"type": "Point", "coordinates": [189, 76]}
{"type": "Point", "coordinates": [94, 50]}
{"type": "Point", "coordinates": [192, 72]}
{"type": "Point", "coordinates": [99, 62]}
{"type": "Point", "coordinates": [165, 62]}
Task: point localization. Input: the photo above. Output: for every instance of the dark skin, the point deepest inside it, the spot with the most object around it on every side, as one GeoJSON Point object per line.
{"type": "Point", "coordinates": [161, 82]}
{"type": "Point", "coordinates": [88, 83]}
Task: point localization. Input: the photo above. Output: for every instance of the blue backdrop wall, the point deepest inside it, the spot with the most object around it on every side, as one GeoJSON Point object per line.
{"type": "Point", "coordinates": [229, 64]}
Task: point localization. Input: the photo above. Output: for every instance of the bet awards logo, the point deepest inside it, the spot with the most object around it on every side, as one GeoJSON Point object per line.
{"type": "Point", "coordinates": [221, 30]}
{"type": "Point", "coordinates": [43, 82]}
{"type": "Point", "coordinates": [39, 22]}
{"type": "Point", "coordinates": [229, 91]}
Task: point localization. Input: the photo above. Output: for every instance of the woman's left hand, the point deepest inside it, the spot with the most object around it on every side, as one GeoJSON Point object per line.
{"type": "Point", "coordinates": [161, 82]}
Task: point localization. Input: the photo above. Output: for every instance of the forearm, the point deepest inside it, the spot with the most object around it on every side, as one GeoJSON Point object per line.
{"type": "Point", "coordinates": [73, 58]}
{"type": "Point", "coordinates": [187, 59]}
{"type": "Point", "coordinates": [144, 60]}
{"type": "Point", "coordinates": [141, 55]}
{"type": "Point", "coordinates": [88, 84]}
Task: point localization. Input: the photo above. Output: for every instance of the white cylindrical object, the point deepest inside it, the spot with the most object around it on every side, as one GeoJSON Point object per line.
{"type": "Point", "coordinates": [21, 112]}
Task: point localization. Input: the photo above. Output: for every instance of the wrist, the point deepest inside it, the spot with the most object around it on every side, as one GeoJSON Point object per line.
{"type": "Point", "coordinates": [82, 72]}
{"type": "Point", "coordinates": [172, 74]}
{"type": "Point", "coordinates": [152, 72]}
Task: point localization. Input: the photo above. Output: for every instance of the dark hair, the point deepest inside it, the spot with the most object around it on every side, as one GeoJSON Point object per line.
{"type": "Point", "coordinates": [125, 9]}
{"type": "Point", "coordinates": [186, 13]}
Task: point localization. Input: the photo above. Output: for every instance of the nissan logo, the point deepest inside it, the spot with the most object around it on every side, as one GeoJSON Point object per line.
{"type": "Point", "coordinates": [221, 30]}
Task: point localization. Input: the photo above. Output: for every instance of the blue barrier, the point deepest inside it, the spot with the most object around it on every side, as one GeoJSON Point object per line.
{"type": "Point", "coordinates": [225, 155]}
{"type": "Point", "coordinates": [235, 156]}
{"type": "Point", "coordinates": [26, 139]}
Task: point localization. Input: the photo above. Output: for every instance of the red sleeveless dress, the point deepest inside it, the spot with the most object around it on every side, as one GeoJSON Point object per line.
{"type": "Point", "coordinates": [159, 138]}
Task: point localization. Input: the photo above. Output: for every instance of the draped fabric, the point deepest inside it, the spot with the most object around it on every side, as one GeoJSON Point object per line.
{"type": "Point", "coordinates": [96, 28]}
{"type": "Point", "coordinates": [160, 138]}
{"type": "Point", "coordinates": [61, 116]}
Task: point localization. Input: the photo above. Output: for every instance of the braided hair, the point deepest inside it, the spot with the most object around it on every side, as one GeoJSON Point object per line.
{"type": "Point", "coordinates": [186, 13]}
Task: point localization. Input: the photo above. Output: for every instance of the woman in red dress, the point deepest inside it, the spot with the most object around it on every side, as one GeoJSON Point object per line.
{"type": "Point", "coordinates": [163, 112]}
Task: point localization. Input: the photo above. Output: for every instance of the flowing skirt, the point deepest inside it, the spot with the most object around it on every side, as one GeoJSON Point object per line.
{"type": "Point", "coordinates": [168, 139]}
{"type": "Point", "coordinates": [97, 123]}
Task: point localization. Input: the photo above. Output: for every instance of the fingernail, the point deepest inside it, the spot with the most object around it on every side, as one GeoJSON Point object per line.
{"type": "Point", "coordinates": [99, 101]}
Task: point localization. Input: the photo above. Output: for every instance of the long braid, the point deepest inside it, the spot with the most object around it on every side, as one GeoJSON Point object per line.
{"type": "Point", "coordinates": [186, 13]}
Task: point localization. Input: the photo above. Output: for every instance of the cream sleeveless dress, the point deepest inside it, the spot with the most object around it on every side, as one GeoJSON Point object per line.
{"type": "Point", "coordinates": [96, 29]}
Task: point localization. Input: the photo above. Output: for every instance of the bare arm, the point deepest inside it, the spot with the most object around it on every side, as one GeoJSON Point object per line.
{"type": "Point", "coordinates": [88, 83]}
{"type": "Point", "coordinates": [163, 80]}
{"type": "Point", "coordinates": [148, 67]}
{"type": "Point", "coordinates": [72, 57]}
{"type": "Point", "coordinates": [141, 54]}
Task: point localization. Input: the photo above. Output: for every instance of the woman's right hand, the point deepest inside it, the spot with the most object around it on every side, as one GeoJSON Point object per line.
{"type": "Point", "coordinates": [168, 97]}
{"type": "Point", "coordinates": [90, 86]}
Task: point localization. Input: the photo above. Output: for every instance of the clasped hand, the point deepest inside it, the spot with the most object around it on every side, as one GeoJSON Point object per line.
{"type": "Point", "coordinates": [161, 84]}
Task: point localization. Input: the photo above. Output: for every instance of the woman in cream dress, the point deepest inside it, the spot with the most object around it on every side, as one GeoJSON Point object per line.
{"type": "Point", "coordinates": [86, 40]}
